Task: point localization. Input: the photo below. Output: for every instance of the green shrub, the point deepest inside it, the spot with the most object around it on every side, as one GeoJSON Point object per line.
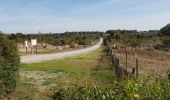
{"type": "Point", "coordinates": [165, 46]}
{"type": "Point", "coordinates": [158, 89]}
{"type": "Point", "coordinates": [9, 66]}
{"type": "Point", "coordinates": [133, 41]}
{"type": "Point", "coordinates": [165, 31]}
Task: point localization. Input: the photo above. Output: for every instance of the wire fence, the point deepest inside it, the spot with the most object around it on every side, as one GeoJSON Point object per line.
{"type": "Point", "coordinates": [121, 72]}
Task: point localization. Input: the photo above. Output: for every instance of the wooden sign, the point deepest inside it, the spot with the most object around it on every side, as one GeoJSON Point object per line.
{"type": "Point", "coordinates": [33, 42]}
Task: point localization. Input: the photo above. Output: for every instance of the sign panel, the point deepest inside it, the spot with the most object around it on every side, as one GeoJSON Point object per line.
{"type": "Point", "coordinates": [26, 44]}
{"type": "Point", "coordinates": [33, 42]}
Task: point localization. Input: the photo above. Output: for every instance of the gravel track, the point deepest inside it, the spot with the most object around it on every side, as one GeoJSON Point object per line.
{"type": "Point", "coordinates": [45, 57]}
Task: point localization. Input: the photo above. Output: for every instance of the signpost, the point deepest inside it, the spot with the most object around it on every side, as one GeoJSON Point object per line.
{"type": "Point", "coordinates": [137, 74]}
{"type": "Point", "coordinates": [34, 43]}
{"type": "Point", "coordinates": [126, 59]}
{"type": "Point", "coordinates": [26, 46]}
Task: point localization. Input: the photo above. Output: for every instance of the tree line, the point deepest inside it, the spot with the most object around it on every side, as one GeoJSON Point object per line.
{"type": "Point", "coordinates": [134, 38]}
{"type": "Point", "coordinates": [67, 38]}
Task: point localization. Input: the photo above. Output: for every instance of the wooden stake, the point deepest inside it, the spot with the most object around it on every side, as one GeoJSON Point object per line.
{"type": "Point", "coordinates": [137, 74]}
{"type": "Point", "coordinates": [26, 50]}
{"type": "Point", "coordinates": [126, 60]}
{"type": "Point", "coordinates": [31, 49]}
{"type": "Point", "coordinates": [36, 49]}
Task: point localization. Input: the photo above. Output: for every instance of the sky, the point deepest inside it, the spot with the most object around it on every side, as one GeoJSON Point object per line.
{"type": "Point", "coordinates": [33, 16]}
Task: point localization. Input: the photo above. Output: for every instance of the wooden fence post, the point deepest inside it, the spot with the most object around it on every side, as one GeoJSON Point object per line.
{"type": "Point", "coordinates": [126, 59]}
{"type": "Point", "coordinates": [107, 51]}
{"type": "Point", "coordinates": [26, 50]}
{"type": "Point", "coordinates": [112, 59]}
{"type": "Point", "coordinates": [36, 49]}
{"type": "Point", "coordinates": [137, 74]}
{"type": "Point", "coordinates": [118, 62]}
{"type": "Point", "coordinates": [133, 71]}
{"type": "Point", "coordinates": [31, 49]}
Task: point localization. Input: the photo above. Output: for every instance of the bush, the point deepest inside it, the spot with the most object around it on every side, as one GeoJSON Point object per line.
{"type": "Point", "coordinates": [165, 46]}
{"type": "Point", "coordinates": [158, 89]}
{"type": "Point", "coordinates": [9, 66]}
{"type": "Point", "coordinates": [135, 43]}
{"type": "Point", "coordinates": [165, 30]}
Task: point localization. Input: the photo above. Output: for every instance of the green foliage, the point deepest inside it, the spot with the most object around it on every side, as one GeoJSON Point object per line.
{"type": "Point", "coordinates": [165, 30]}
{"type": "Point", "coordinates": [114, 32]}
{"type": "Point", "coordinates": [135, 42]}
{"type": "Point", "coordinates": [165, 46]}
{"type": "Point", "coordinates": [127, 37]}
{"type": "Point", "coordinates": [9, 66]}
{"type": "Point", "coordinates": [68, 38]}
{"type": "Point", "coordinates": [125, 90]}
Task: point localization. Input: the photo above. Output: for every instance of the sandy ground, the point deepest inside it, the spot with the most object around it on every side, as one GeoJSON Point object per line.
{"type": "Point", "coordinates": [46, 57]}
{"type": "Point", "coordinates": [39, 78]}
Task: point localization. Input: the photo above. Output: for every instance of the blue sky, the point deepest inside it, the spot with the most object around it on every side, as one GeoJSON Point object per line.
{"type": "Point", "coordinates": [82, 15]}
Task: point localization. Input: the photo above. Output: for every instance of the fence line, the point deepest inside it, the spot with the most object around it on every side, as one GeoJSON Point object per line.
{"type": "Point", "coordinates": [121, 72]}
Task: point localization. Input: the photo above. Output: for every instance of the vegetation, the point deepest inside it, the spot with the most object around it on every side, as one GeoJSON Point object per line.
{"type": "Point", "coordinates": [67, 38]}
{"type": "Point", "coordinates": [40, 81]}
{"type": "Point", "coordinates": [165, 31]}
{"type": "Point", "coordinates": [86, 77]}
{"type": "Point", "coordinates": [165, 45]}
{"type": "Point", "coordinates": [124, 90]}
{"type": "Point", "coordinates": [9, 66]}
{"type": "Point", "coordinates": [129, 37]}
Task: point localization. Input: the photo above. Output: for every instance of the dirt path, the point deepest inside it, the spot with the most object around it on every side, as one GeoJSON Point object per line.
{"type": "Point", "coordinates": [46, 57]}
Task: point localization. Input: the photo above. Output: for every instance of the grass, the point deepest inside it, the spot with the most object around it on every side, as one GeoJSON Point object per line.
{"type": "Point", "coordinates": [85, 77]}
{"type": "Point", "coordinates": [45, 77]}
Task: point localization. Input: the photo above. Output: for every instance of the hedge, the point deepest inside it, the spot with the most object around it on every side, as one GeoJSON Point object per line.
{"type": "Point", "coordinates": [9, 66]}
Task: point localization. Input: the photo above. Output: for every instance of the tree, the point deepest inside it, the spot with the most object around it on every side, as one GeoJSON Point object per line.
{"type": "Point", "coordinates": [9, 66]}
{"type": "Point", "coordinates": [1, 32]}
{"type": "Point", "coordinates": [165, 30]}
{"type": "Point", "coordinates": [111, 32]}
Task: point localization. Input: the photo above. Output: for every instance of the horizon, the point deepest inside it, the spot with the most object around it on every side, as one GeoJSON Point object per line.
{"type": "Point", "coordinates": [138, 31]}
{"type": "Point", "coordinates": [59, 16]}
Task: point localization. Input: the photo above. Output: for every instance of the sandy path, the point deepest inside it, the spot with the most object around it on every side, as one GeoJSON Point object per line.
{"type": "Point", "coordinates": [46, 57]}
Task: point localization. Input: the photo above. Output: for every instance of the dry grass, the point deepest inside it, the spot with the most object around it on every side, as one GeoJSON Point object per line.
{"type": "Point", "coordinates": [150, 61]}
